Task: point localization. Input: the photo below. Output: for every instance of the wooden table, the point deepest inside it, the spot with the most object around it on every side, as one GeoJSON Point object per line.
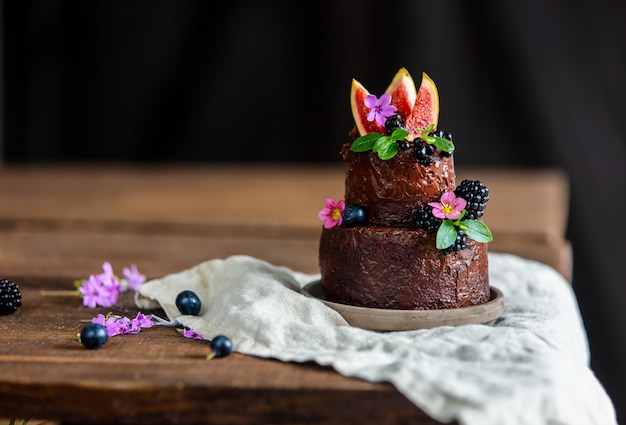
{"type": "Point", "coordinates": [59, 223]}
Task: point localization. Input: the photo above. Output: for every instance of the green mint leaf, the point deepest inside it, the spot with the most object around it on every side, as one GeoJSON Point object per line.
{"type": "Point", "coordinates": [364, 143]}
{"type": "Point", "coordinates": [429, 139]}
{"type": "Point", "coordinates": [446, 235]}
{"type": "Point", "coordinates": [478, 231]}
{"type": "Point", "coordinates": [399, 134]}
{"type": "Point", "coordinates": [388, 151]}
{"type": "Point", "coordinates": [381, 143]}
{"type": "Point", "coordinates": [443, 144]}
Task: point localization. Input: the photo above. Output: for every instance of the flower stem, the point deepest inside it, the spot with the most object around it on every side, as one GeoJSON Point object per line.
{"type": "Point", "coordinates": [60, 293]}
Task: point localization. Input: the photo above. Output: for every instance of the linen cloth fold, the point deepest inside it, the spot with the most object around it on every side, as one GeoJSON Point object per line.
{"type": "Point", "coordinates": [531, 365]}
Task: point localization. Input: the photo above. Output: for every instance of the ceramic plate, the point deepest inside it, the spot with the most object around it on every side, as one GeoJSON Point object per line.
{"type": "Point", "coordinates": [401, 320]}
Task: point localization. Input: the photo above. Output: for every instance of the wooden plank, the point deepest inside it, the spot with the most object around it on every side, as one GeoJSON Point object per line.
{"type": "Point", "coordinates": [527, 204]}
{"type": "Point", "coordinates": [157, 376]}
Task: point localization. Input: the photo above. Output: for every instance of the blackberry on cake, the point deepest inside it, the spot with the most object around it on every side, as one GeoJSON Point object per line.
{"type": "Point", "coordinates": [424, 219]}
{"type": "Point", "coordinates": [476, 194]}
{"type": "Point", "coordinates": [10, 297]}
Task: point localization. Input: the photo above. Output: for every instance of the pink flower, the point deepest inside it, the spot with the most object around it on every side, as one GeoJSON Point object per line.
{"type": "Point", "coordinates": [142, 321]}
{"type": "Point", "coordinates": [380, 109]}
{"type": "Point", "coordinates": [108, 278]}
{"type": "Point", "coordinates": [133, 277]}
{"type": "Point", "coordinates": [96, 292]}
{"type": "Point", "coordinates": [190, 333]}
{"type": "Point", "coordinates": [449, 207]}
{"type": "Point", "coordinates": [109, 323]}
{"type": "Point", "coordinates": [331, 214]}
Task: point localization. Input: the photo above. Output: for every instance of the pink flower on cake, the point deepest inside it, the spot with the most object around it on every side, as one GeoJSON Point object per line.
{"type": "Point", "coordinates": [331, 214]}
{"type": "Point", "coordinates": [449, 206]}
{"type": "Point", "coordinates": [380, 109]}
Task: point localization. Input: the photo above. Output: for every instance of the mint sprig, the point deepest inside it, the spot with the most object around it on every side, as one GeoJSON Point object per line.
{"type": "Point", "coordinates": [385, 146]}
{"type": "Point", "coordinates": [440, 143]}
{"type": "Point", "coordinates": [448, 230]}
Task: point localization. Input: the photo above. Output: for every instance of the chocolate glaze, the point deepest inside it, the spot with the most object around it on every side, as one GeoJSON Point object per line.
{"type": "Point", "coordinates": [400, 268]}
{"type": "Point", "coordinates": [392, 190]}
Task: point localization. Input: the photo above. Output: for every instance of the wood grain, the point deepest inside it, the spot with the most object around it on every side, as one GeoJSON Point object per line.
{"type": "Point", "coordinates": [59, 223]}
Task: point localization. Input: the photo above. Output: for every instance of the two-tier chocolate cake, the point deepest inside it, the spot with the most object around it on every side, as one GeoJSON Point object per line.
{"type": "Point", "coordinates": [406, 236]}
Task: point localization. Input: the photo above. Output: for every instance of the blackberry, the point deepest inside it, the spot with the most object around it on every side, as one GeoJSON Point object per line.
{"type": "Point", "coordinates": [354, 215]}
{"type": "Point", "coordinates": [394, 122]}
{"type": "Point", "coordinates": [10, 297]}
{"type": "Point", "coordinates": [459, 243]}
{"type": "Point", "coordinates": [424, 152]}
{"type": "Point", "coordinates": [476, 194]}
{"type": "Point", "coordinates": [424, 219]}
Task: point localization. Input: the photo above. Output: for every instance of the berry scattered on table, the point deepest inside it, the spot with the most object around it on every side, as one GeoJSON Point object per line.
{"type": "Point", "coordinates": [476, 194]}
{"type": "Point", "coordinates": [93, 336]}
{"type": "Point", "coordinates": [188, 303]}
{"type": "Point", "coordinates": [424, 219]}
{"type": "Point", "coordinates": [354, 215]}
{"type": "Point", "coordinates": [10, 297]}
{"type": "Point", "coordinates": [221, 346]}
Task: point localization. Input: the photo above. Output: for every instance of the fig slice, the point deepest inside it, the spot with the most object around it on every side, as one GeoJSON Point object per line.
{"type": "Point", "coordinates": [403, 96]}
{"type": "Point", "coordinates": [425, 112]}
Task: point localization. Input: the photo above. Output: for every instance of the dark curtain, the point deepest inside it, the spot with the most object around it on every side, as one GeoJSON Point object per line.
{"type": "Point", "coordinates": [522, 83]}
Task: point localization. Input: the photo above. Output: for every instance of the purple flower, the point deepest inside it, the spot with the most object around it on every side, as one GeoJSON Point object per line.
{"type": "Point", "coordinates": [190, 333]}
{"type": "Point", "coordinates": [142, 321]}
{"type": "Point", "coordinates": [331, 214]}
{"type": "Point", "coordinates": [96, 292]}
{"type": "Point", "coordinates": [380, 109]}
{"type": "Point", "coordinates": [116, 325]}
{"type": "Point", "coordinates": [133, 277]}
{"type": "Point", "coordinates": [449, 207]}
{"type": "Point", "coordinates": [109, 323]}
{"type": "Point", "coordinates": [108, 278]}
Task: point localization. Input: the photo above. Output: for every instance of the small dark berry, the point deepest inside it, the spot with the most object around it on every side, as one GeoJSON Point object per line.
{"type": "Point", "coordinates": [10, 297]}
{"type": "Point", "coordinates": [188, 303]}
{"type": "Point", "coordinates": [93, 336]}
{"type": "Point", "coordinates": [424, 219]}
{"type": "Point", "coordinates": [403, 144]}
{"type": "Point", "coordinates": [222, 346]}
{"type": "Point", "coordinates": [424, 152]}
{"type": "Point", "coordinates": [354, 215]}
{"type": "Point", "coordinates": [394, 122]}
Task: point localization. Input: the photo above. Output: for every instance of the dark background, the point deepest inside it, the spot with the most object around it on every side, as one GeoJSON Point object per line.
{"type": "Point", "coordinates": [522, 83]}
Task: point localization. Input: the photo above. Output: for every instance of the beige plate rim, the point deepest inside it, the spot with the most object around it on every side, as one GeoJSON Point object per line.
{"type": "Point", "coordinates": [402, 320]}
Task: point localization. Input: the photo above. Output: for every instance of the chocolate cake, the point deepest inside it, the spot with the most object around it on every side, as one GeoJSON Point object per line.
{"type": "Point", "coordinates": [406, 236]}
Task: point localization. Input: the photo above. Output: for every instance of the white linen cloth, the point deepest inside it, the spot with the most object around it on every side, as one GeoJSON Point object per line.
{"type": "Point", "coordinates": [530, 366]}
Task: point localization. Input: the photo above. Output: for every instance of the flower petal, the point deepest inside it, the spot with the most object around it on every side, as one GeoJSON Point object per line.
{"type": "Point", "coordinates": [385, 100]}
{"type": "Point", "coordinates": [448, 198]}
{"type": "Point", "coordinates": [371, 101]}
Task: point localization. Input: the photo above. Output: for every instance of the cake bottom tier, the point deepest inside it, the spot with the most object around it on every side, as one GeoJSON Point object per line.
{"type": "Point", "coordinates": [400, 268]}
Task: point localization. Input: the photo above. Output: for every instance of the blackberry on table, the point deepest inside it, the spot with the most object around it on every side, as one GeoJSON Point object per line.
{"type": "Point", "coordinates": [394, 122]}
{"type": "Point", "coordinates": [424, 152]}
{"type": "Point", "coordinates": [10, 297]}
{"type": "Point", "coordinates": [476, 194]}
{"type": "Point", "coordinates": [424, 219]}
